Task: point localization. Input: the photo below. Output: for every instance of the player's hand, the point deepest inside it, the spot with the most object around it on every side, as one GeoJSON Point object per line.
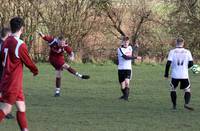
{"type": "Point", "coordinates": [36, 73]}
{"type": "Point", "coordinates": [166, 77]}
{"type": "Point", "coordinates": [71, 57]}
{"type": "Point", "coordinates": [139, 58]}
{"type": "Point", "coordinates": [40, 33]}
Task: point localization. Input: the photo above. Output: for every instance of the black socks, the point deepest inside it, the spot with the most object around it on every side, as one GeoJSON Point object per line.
{"type": "Point", "coordinates": [187, 97]}
{"type": "Point", "coordinates": [173, 97]}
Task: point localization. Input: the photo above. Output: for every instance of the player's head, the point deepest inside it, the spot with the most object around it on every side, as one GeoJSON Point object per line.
{"type": "Point", "coordinates": [179, 42]}
{"type": "Point", "coordinates": [17, 24]}
{"type": "Point", "coordinates": [5, 32]}
{"type": "Point", "coordinates": [126, 41]}
{"type": "Point", "coordinates": [61, 41]}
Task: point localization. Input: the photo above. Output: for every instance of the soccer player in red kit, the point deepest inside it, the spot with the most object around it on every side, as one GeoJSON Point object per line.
{"type": "Point", "coordinates": [5, 32]}
{"type": "Point", "coordinates": [56, 57]}
{"type": "Point", "coordinates": [14, 55]}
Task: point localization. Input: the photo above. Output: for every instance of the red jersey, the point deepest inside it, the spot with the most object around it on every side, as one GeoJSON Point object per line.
{"type": "Point", "coordinates": [14, 55]}
{"type": "Point", "coordinates": [56, 54]}
{"type": "Point", "coordinates": [1, 66]}
{"type": "Point", "coordinates": [55, 49]}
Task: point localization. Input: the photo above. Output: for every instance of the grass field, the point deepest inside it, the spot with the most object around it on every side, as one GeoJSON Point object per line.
{"type": "Point", "coordinates": [93, 105]}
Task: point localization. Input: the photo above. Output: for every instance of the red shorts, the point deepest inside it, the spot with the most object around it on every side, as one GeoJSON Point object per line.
{"type": "Point", "coordinates": [57, 62]}
{"type": "Point", "coordinates": [11, 98]}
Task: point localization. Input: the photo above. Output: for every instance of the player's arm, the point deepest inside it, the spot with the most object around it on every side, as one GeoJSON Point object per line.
{"type": "Point", "coordinates": [47, 38]}
{"type": "Point", "coordinates": [190, 63]}
{"type": "Point", "coordinates": [168, 64]}
{"type": "Point", "coordinates": [167, 67]}
{"type": "Point", "coordinates": [69, 51]}
{"type": "Point", "coordinates": [40, 33]}
{"type": "Point", "coordinates": [129, 57]}
{"type": "Point", "coordinates": [25, 58]}
{"type": "Point", "coordinates": [120, 53]}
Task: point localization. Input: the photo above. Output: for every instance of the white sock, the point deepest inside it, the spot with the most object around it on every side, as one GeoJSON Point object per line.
{"type": "Point", "coordinates": [79, 75]}
{"type": "Point", "coordinates": [57, 90]}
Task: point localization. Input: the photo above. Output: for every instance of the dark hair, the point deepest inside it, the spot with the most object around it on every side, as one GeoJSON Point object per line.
{"type": "Point", "coordinates": [179, 41]}
{"type": "Point", "coordinates": [16, 23]}
{"type": "Point", "coordinates": [126, 38]}
{"type": "Point", "coordinates": [60, 38]}
{"type": "Point", "coordinates": [4, 32]}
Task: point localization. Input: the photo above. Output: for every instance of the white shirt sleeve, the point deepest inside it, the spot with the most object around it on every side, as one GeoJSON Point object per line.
{"type": "Point", "coordinates": [190, 56]}
{"type": "Point", "coordinates": [170, 56]}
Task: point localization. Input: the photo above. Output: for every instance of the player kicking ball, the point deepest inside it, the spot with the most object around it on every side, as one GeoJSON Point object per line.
{"type": "Point", "coordinates": [56, 57]}
{"type": "Point", "coordinates": [180, 60]}
{"type": "Point", "coordinates": [125, 57]}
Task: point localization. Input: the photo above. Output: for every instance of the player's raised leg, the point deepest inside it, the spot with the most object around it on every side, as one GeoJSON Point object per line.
{"type": "Point", "coordinates": [58, 83]}
{"type": "Point", "coordinates": [21, 115]}
{"type": "Point", "coordinates": [74, 72]}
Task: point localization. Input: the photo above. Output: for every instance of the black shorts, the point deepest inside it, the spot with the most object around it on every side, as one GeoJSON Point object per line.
{"type": "Point", "coordinates": [184, 83]}
{"type": "Point", "coordinates": [124, 74]}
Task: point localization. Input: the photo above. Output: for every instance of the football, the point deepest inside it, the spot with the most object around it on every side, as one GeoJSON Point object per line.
{"type": "Point", "coordinates": [195, 69]}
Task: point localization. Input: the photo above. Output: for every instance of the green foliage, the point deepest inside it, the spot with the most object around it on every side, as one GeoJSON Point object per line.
{"type": "Point", "coordinates": [96, 25]}
{"type": "Point", "coordinates": [163, 9]}
{"type": "Point", "coordinates": [184, 21]}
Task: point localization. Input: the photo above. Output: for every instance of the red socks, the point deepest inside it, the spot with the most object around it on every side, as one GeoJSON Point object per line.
{"type": "Point", "coordinates": [71, 70]}
{"type": "Point", "coordinates": [58, 82]}
{"type": "Point", "coordinates": [22, 121]}
{"type": "Point", "coordinates": [2, 115]}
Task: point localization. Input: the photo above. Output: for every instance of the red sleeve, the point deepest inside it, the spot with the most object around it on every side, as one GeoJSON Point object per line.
{"type": "Point", "coordinates": [68, 49]}
{"type": "Point", "coordinates": [24, 56]}
{"type": "Point", "coordinates": [48, 38]}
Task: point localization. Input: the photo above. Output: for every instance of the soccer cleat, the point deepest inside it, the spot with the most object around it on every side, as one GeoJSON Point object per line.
{"type": "Point", "coordinates": [85, 77]}
{"type": "Point", "coordinates": [174, 107]}
{"type": "Point", "coordinates": [122, 97]}
{"type": "Point", "coordinates": [56, 94]}
{"type": "Point", "coordinates": [188, 107]}
{"type": "Point", "coordinates": [126, 94]}
{"type": "Point", "coordinates": [126, 98]}
{"type": "Point", "coordinates": [25, 129]}
{"type": "Point", "coordinates": [10, 116]}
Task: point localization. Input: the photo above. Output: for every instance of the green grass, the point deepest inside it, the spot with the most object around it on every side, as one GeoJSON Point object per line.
{"type": "Point", "coordinates": [93, 105]}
